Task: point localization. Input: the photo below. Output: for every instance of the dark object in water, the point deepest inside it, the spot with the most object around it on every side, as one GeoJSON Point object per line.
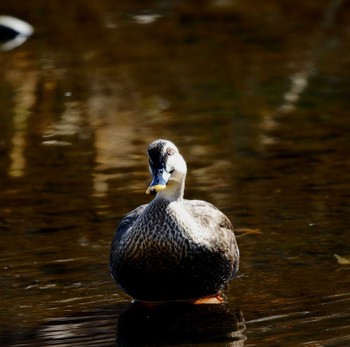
{"type": "Point", "coordinates": [13, 32]}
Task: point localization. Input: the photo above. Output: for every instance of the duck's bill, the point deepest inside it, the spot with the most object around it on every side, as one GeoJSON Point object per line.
{"type": "Point", "coordinates": [159, 182]}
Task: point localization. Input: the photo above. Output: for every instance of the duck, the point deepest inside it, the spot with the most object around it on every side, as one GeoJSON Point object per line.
{"type": "Point", "coordinates": [173, 249]}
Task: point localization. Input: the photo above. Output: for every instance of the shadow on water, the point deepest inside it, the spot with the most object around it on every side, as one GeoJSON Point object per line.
{"type": "Point", "coordinates": [135, 324]}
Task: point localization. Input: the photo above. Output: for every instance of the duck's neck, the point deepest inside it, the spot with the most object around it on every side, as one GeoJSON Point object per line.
{"type": "Point", "coordinates": [173, 192]}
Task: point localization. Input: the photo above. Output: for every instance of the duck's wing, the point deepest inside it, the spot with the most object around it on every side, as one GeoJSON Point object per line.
{"type": "Point", "coordinates": [217, 227]}
{"type": "Point", "coordinates": [207, 215]}
{"type": "Point", "coordinates": [123, 227]}
{"type": "Point", "coordinates": [117, 245]}
{"type": "Point", "coordinates": [129, 220]}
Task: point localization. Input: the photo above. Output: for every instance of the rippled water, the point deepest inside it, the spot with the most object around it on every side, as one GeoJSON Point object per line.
{"type": "Point", "coordinates": [256, 96]}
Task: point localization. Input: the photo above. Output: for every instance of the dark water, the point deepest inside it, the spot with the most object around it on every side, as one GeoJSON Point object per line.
{"type": "Point", "coordinates": [256, 96]}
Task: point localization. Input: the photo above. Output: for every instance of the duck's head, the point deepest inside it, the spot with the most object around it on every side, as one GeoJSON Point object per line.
{"type": "Point", "coordinates": [167, 166]}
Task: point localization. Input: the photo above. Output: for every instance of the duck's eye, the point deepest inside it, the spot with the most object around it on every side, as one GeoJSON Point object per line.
{"type": "Point", "coordinates": [171, 171]}
{"type": "Point", "coordinates": [170, 151]}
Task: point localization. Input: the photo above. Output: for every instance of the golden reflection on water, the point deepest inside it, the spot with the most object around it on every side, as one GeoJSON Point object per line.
{"type": "Point", "coordinates": [112, 117]}
{"type": "Point", "coordinates": [305, 69]}
{"type": "Point", "coordinates": [24, 83]}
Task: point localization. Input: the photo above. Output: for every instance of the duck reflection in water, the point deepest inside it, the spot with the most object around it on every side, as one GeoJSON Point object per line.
{"type": "Point", "coordinates": [173, 249]}
{"type": "Point", "coordinates": [135, 324]}
{"type": "Point", "coordinates": [178, 323]}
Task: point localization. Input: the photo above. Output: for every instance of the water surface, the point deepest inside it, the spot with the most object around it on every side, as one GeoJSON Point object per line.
{"type": "Point", "coordinates": [256, 98]}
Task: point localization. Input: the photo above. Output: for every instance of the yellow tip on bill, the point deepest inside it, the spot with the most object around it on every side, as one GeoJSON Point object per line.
{"type": "Point", "coordinates": [155, 189]}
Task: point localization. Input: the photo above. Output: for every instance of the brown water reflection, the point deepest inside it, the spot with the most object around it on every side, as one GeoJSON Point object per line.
{"type": "Point", "coordinates": [255, 96]}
